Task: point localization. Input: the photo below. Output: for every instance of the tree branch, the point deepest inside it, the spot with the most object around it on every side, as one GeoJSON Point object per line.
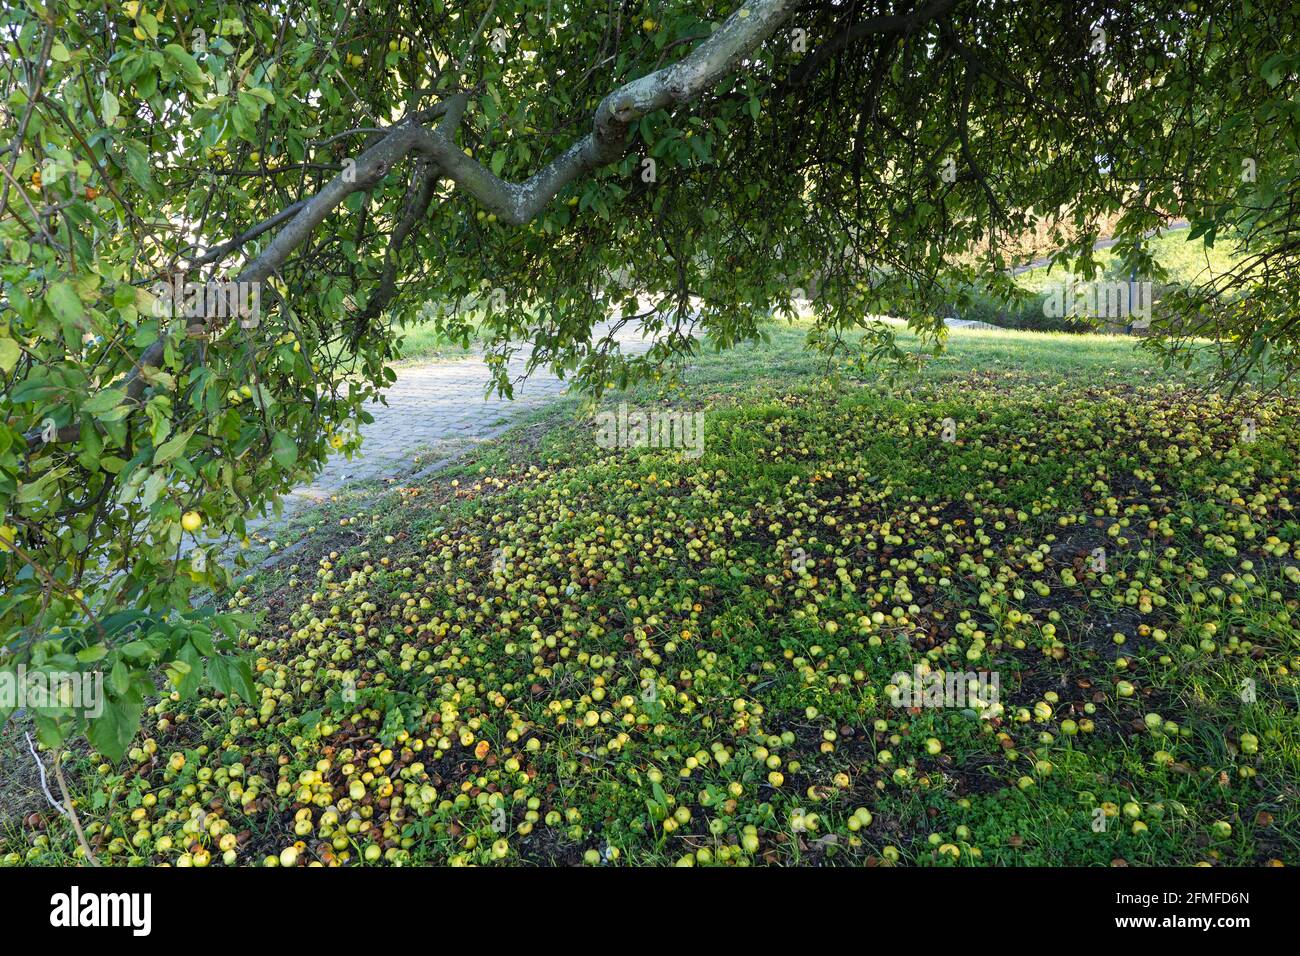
{"type": "Point", "coordinates": [419, 194]}
{"type": "Point", "coordinates": [33, 95]}
{"type": "Point", "coordinates": [903, 23]}
{"type": "Point", "coordinates": [515, 204]}
{"type": "Point", "coordinates": [221, 251]}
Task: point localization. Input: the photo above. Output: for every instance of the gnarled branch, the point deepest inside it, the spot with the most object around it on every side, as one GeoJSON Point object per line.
{"type": "Point", "coordinates": [517, 203]}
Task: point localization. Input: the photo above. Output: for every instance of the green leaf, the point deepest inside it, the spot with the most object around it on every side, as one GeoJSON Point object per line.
{"type": "Point", "coordinates": [88, 655]}
{"type": "Point", "coordinates": [243, 679]}
{"type": "Point", "coordinates": [10, 352]}
{"type": "Point", "coordinates": [219, 673]}
{"type": "Point", "coordinates": [138, 650]}
{"type": "Point", "coordinates": [104, 400]}
{"type": "Point", "coordinates": [172, 447]}
{"type": "Point", "coordinates": [48, 731]}
{"type": "Point", "coordinates": [187, 677]}
{"type": "Point", "coordinates": [139, 165]}
{"type": "Point", "coordinates": [119, 678]}
{"type": "Point", "coordinates": [189, 70]}
{"type": "Point", "coordinates": [1272, 68]}
{"type": "Point", "coordinates": [112, 732]}
{"type": "Point", "coordinates": [64, 302]}
{"type": "Point", "coordinates": [283, 450]}
{"type": "Point", "coordinates": [108, 106]}
{"type": "Point", "coordinates": [153, 488]}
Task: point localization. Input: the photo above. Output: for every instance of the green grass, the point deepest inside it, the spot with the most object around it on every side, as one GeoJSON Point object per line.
{"type": "Point", "coordinates": [743, 614]}
{"type": "Point", "coordinates": [1185, 262]}
{"type": "Point", "coordinates": [423, 343]}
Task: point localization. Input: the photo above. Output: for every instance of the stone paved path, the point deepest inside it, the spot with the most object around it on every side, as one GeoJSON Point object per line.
{"type": "Point", "coordinates": [436, 412]}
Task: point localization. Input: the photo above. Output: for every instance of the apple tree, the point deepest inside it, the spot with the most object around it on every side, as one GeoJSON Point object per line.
{"type": "Point", "coordinates": [217, 217]}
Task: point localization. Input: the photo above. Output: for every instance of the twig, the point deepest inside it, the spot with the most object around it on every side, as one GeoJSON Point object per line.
{"type": "Point", "coordinates": [45, 786]}
{"type": "Point", "coordinates": [213, 255]}
{"type": "Point", "coordinates": [40, 221]}
{"type": "Point", "coordinates": [33, 94]}
{"type": "Point", "coordinates": [72, 811]}
{"type": "Point", "coordinates": [54, 583]}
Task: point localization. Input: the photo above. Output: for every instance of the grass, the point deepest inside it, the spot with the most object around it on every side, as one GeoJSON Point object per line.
{"type": "Point", "coordinates": [1185, 262]}
{"type": "Point", "coordinates": [561, 653]}
{"type": "Point", "coordinates": [423, 343]}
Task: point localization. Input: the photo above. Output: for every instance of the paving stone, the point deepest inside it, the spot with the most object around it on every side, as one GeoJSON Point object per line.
{"type": "Point", "coordinates": [435, 404]}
